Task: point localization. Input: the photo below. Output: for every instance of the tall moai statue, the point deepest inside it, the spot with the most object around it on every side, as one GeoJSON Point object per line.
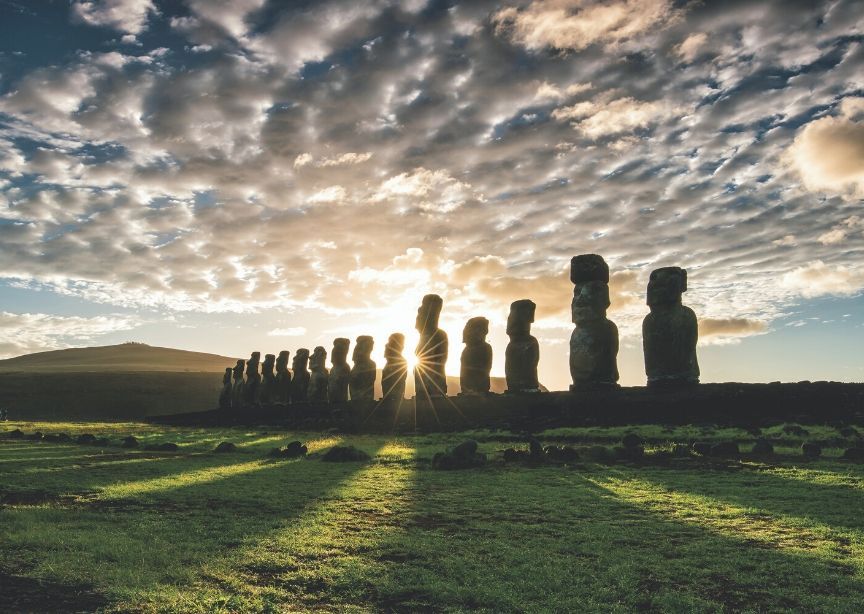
{"type": "Point", "coordinates": [594, 342]}
{"type": "Point", "coordinates": [523, 351]}
{"type": "Point", "coordinates": [237, 389]}
{"type": "Point", "coordinates": [670, 331]}
{"type": "Point", "coordinates": [319, 376]}
{"type": "Point", "coordinates": [476, 357]}
{"type": "Point", "coordinates": [283, 378]}
{"type": "Point", "coordinates": [340, 371]}
{"type": "Point", "coordinates": [361, 382]}
{"type": "Point", "coordinates": [429, 377]}
{"type": "Point", "coordinates": [253, 379]}
{"type": "Point", "coordinates": [227, 388]}
{"type": "Point", "coordinates": [301, 376]}
{"type": "Point", "coordinates": [395, 371]}
{"type": "Point", "coordinates": [267, 393]}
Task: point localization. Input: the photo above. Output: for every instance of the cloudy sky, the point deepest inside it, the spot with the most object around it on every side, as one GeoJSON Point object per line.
{"type": "Point", "coordinates": [230, 176]}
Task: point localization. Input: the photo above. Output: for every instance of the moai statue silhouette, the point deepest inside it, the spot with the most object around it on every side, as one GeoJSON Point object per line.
{"type": "Point", "coordinates": [476, 360]}
{"type": "Point", "coordinates": [267, 393]}
{"type": "Point", "coordinates": [429, 377]}
{"type": "Point", "coordinates": [301, 376]}
{"type": "Point", "coordinates": [319, 376]}
{"type": "Point", "coordinates": [283, 378]}
{"type": "Point", "coordinates": [670, 331]}
{"type": "Point", "coordinates": [594, 342]}
{"type": "Point", "coordinates": [237, 389]}
{"type": "Point", "coordinates": [340, 371]}
{"type": "Point", "coordinates": [227, 387]}
{"type": "Point", "coordinates": [523, 352]}
{"type": "Point", "coordinates": [253, 380]}
{"type": "Point", "coordinates": [361, 382]}
{"type": "Point", "coordinates": [395, 371]}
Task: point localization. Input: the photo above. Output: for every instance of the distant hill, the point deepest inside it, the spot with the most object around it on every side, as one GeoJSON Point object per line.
{"type": "Point", "coordinates": [126, 357]}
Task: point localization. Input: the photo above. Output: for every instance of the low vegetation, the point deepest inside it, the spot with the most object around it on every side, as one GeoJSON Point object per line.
{"type": "Point", "coordinates": [105, 527]}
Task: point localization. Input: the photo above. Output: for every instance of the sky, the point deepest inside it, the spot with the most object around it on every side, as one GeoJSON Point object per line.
{"type": "Point", "coordinates": [238, 176]}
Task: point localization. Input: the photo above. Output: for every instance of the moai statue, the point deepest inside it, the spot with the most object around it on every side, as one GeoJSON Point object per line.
{"type": "Point", "coordinates": [476, 357]}
{"type": "Point", "coordinates": [523, 351]}
{"type": "Point", "coordinates": [670, 331]}
{"type": "Point", "coordinates": [429, 377]}
{"type": "Point", "coordinates": [267, 393]}
{"type": "Point", "coordinates": [361, 382]}
{"type": "Point", "coordinates": [318, 378]}
{"type": "Point", "coordinates": [283, 378]}
{"type": "Point", "coordinates": [301, 376]}
{"type": "Point", "coordinates": [227, 388]}
{"type": "Point", "coordinates": [395, 371]}
{"type": "Point", "coordinates": [237, 389]}
{"type": "Point", "coordinates": [594, 342]}
{"type": "Point", "coordinates": [340, 371]}
{"type": "Point", "coordinates": [253, 380]}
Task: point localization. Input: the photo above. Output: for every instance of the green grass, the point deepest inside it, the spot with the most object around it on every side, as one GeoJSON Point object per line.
{"type": "Point", "coordinates": [195, 531]}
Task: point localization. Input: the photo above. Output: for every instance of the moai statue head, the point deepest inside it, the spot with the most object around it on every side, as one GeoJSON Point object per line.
{"type": "Point", "coordinates": [239, 368]}
{"type": "Point", "coordinates": [318, 359]}
{"type": "Point", "coordinates": [269, 363]}
{"type": "Point", "coordinates": [475, 331]}
{"type": "Point", "coordinates": [339, 356]}
{"type": "Point", "coordinates": [520, 319]}
{"type": "Point", "coordinates": [229, 372]}
{"type": "Point", "coordinates": [665, 287]}
{"type": "Point", "coordinates": [395, 346]}
{"type": "Point", "coordinates": [363, 349]}
{"type": "Point", "coordinates": [590, 276]}
{"type": "Point", "coordinates": [428, 313]}
{"type": "Point", "coordinates": [301, 360]}
{"type": "Point", "coordinates": [282, 361]}
{"type": "Point", "coordinates": [252, 363]}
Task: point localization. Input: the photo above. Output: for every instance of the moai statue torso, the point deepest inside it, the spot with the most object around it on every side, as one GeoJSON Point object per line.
{"type": "Point", "coordinates": [268, 380]}
{"type": "Point", "coordinates": [253, 379]}
{"type": "Point", "coordinates": [361, 382]}
{"type": "Point", "coordinates": [523, 351]}
{"type": "Point", "coordinates": [594, 342]}
{"type": "Point", "coordinates": [429, 377]}
{"type": "Point", "coordinates": [227, 388]}
{"type": "Point", "coordinates": [395, 371]}
{"type": "Point", "coordinates": [318, 377]}
{"type": "Point", "coordinates": [237, 388]}
{"type": "Point", "coordinates": [670, 331]}
{"type": "Point", "coordinates": [283, 378]}
{"type": "Point", "coordinates": [476, 357]}
{"type": "Point", "coordinates": [340, 371]}
{"type": "Point", "coordinates": [300, 377]}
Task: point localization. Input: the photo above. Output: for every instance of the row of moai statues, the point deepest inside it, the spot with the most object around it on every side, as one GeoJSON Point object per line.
{"type": "Point", "coordinates": [669, 334]}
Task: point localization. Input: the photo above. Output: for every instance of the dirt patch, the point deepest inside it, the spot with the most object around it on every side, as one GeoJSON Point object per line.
{"type": "Point", "coordinates": [28, 497]}
{"type": "Point", "coordinates": [28, 595]}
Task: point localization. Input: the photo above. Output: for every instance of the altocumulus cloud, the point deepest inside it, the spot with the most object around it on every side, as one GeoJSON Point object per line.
{"type": "Point", "coordinates": [245, 156]}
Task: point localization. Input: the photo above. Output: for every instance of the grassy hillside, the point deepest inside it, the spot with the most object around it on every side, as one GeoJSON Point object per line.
{"type": "Point", "coordinates": [124, 382]}
{"type": "Point", "coordinates": [128, 357]}
{"type": "Point", "coordinates": [89, 528]}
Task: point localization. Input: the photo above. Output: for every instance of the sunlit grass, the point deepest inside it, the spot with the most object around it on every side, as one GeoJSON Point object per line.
{"type": "Point", "coordinates": [197, 531]}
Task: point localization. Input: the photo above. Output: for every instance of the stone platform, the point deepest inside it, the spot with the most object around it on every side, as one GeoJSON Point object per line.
{"type": "Point", "coordinates": [722, 404]}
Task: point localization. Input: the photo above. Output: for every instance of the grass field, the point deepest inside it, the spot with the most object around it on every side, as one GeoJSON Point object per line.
{"type": "Point", "coordinates": [117, 529]}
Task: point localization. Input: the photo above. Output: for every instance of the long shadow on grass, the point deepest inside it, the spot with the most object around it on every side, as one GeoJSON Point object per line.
{"type": "Point", "coordinates": [552, 539]}
{"type": "Point", "coordinates": [836, 505]}
{"type": "Point", "coordinates": [137, 546]}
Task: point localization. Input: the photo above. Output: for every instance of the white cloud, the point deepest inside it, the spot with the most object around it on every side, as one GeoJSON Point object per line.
{"type": "Point", "coordinates": [128, 16]}
{"type": "Point", "coordinates": [332, 194]}
{"type": "Point", "coordinates": [595, 119]}
{"type": "Point", "coordinates": [692, 45]}
{"type": "Point", "coordinates": [829, 152]}
{"type": "Point", "coordinates": [819, 279]}
{"type": "Point", "coordinates": [432, 190]}
{"type": "Point", "coordinates": [577, 24]}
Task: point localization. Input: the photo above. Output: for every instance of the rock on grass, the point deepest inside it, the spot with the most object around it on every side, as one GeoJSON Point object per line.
{"type": "Point", "coordinates": [295, 449]}
{"type": "Point", "coordinates": [225, 447]}
{"type": "Point", "coordinates": [462, 456]}
{"type": "Point", "coordinates": [811, 450]}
